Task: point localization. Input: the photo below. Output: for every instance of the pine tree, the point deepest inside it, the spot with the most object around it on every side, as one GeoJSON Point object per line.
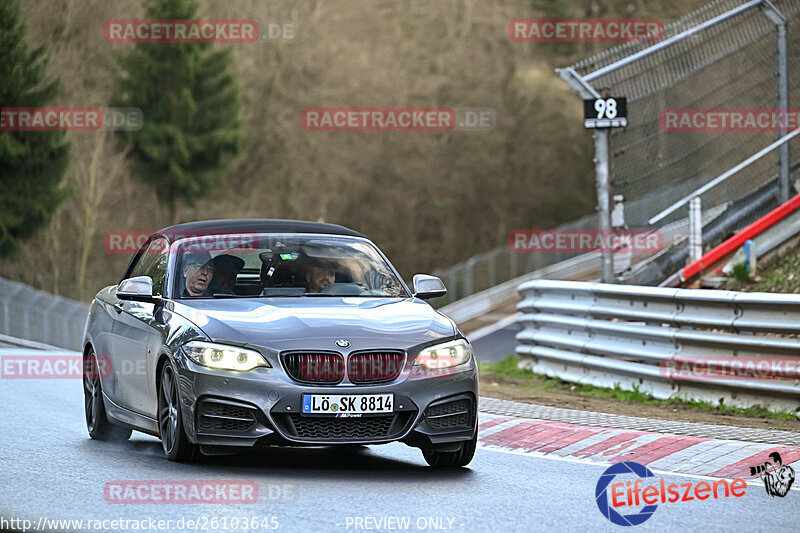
{"type": "Point", "coordinates": [32, 164]}
{"type": "Point", "coordinates": [191, 108]}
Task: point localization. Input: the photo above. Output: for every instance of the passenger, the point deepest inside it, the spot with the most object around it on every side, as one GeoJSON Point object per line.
{"type": "Point", "coordinates": [318, 276]}
{"type": "Point", "coordinates": [226, 269]}
{"type": "Point", "coordinates": [198, 271]}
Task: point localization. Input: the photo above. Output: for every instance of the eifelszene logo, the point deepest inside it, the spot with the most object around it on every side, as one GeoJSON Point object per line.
{"type": "Point", "coordinates": [777, 477]}
{"type": "Point", "coordinates": [607, 508]}
{"type": "Point", "coordinates": [635, 493]}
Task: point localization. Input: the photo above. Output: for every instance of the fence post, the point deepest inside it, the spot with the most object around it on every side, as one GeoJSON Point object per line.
{"type": "Point", "coordinates": [751, 261]}
{"type": "Point", "coordinates": [783, 95]}
{"type": "Point", "coordinates": [601, 165]}
{"type": "Point", "coordinates": [783, 104]}
{"type": "Point", "coordinates": [695, 229]}
{"type": "Point", "coordinates": [469, 276]}
{"type": "Point", "coordinates": [493, 268]}
{"type": "Point", "coordinates": [512, 264]}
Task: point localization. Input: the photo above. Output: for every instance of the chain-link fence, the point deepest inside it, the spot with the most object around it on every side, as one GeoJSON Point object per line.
{"type": "Point", "coordinates": [730, 64]}
{"type": "Point", "coordinates": [724, 56]}
{"type": "Point", "coordinates": [36, 315]}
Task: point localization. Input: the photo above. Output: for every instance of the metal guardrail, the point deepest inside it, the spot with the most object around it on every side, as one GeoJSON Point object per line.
{"type": "Point", "coordinates": [471, 307]}
{"type": "Point", "coordinates": [635, 337]}
{"type": "Point", "coordinates": [36, 315]}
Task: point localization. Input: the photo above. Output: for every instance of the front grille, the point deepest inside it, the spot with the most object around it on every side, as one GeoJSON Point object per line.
{"type": "Point", "coordinates": [317, 428]}
{"type": "Point", "coordinates": [374, 367]}
{"type": "Point", "coordinates": [331, 429]}
{"type": "Point", "coordinates": [322, 368]}
{"type": "Point", "coordinates": [224, 417]}
{"type": "Point", "coordinates": [457, 413]}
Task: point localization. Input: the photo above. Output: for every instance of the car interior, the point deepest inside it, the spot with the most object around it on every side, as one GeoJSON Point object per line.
{"type": "Point", "coordinates": [282, 274]}
{"type": "Point", "coordinates": [279, 269]}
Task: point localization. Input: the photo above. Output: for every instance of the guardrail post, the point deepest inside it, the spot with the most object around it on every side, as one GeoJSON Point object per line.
{"type": "Point", "coordinates": [695, 229]}
{"type": "Point", "coordinates": [618, 212]}
{"type": "Point", "coordinates": [751, 260]}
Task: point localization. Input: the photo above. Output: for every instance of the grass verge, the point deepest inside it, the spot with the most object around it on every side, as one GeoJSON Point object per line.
{"type": "Point", "coordinates": [782, 276]}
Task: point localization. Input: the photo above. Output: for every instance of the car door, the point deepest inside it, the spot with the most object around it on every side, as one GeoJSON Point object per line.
{"type": "Point", "coordinates": [134, 331]}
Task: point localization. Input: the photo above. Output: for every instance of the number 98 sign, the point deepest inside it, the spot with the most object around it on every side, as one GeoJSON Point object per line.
{"type": "Point", "coordinates": [609, 112]}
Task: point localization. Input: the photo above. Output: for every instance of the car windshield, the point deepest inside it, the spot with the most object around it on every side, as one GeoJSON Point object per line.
{"type": "Point", "coordinates": [269, 265]}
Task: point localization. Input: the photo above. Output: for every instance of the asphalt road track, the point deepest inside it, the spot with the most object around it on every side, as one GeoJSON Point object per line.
{"type": "Point", "coordinates": [52, 470]}
{"type": "Point", "coordinates": [497, 341]}
{"type": "Point", "coordinates": [496, 345]}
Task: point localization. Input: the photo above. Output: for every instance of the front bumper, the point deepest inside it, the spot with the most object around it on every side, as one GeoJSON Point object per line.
{"type": "Point", "coordinates": [263, 407]}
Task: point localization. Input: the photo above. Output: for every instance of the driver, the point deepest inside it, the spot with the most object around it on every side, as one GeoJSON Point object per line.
{"type": "Point", "coordinates": [318, 276]}
{"type": "Point", "coordinates": [198, 271]}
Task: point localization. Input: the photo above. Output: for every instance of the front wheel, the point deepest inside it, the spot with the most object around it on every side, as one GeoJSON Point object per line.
{"type": "Point", "coordinates": [96, 420]}
{"type": "Point", "coordinates": [458, 458]}
{"type": "Point", "coordinates": [174, 441]}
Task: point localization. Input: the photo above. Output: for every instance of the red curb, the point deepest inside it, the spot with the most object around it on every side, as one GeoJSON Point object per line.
{"type": "Point", "coordinates": [541, 436]}
{"type": "Point", "coordinates": [494, 422]}
{"type": "Point", "coordinates": [546, 436]}
{"type": "Point", "coordinates": [575, 436]}
{"type": "Point", "coordinates": [515, 435]}
{"type": "Point", "coordinates": [608, 443]}
{"type": "Point", "coordinates": [657, 449]}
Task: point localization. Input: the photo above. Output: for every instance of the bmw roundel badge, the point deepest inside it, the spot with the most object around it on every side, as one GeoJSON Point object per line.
{"type": "Point", "coordinates": [341, 343]}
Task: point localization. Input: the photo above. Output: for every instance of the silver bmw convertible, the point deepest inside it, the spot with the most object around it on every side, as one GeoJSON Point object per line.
{"type": "Point", "coordinates": [227, 335]}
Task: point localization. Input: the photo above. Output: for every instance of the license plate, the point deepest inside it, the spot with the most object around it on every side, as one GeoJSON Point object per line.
{"type": "Point", "coordinates": [347, 404]}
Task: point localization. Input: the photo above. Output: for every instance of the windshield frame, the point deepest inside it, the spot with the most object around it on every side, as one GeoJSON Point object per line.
{"type": "Point", "coordinates": [173, 277]}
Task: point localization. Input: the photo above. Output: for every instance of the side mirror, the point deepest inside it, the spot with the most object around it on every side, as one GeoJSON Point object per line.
{"type": "Point", "coordinates": [426, 287]}
{"type": "Point", "coordinates": [138, 289]}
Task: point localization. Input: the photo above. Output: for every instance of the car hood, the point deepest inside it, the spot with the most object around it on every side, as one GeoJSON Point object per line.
{"type": "Point", "coordinates": [316, 323]}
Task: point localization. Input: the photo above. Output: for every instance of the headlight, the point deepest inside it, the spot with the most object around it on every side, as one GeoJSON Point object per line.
{"type": "Point", "coordinates": [445, 355]}
{"type": "Point", "coordinates": [223, 357]}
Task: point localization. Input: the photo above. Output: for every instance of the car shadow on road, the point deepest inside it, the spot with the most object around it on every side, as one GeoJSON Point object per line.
{"type": "Point", "coordinates": [360, 463]}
